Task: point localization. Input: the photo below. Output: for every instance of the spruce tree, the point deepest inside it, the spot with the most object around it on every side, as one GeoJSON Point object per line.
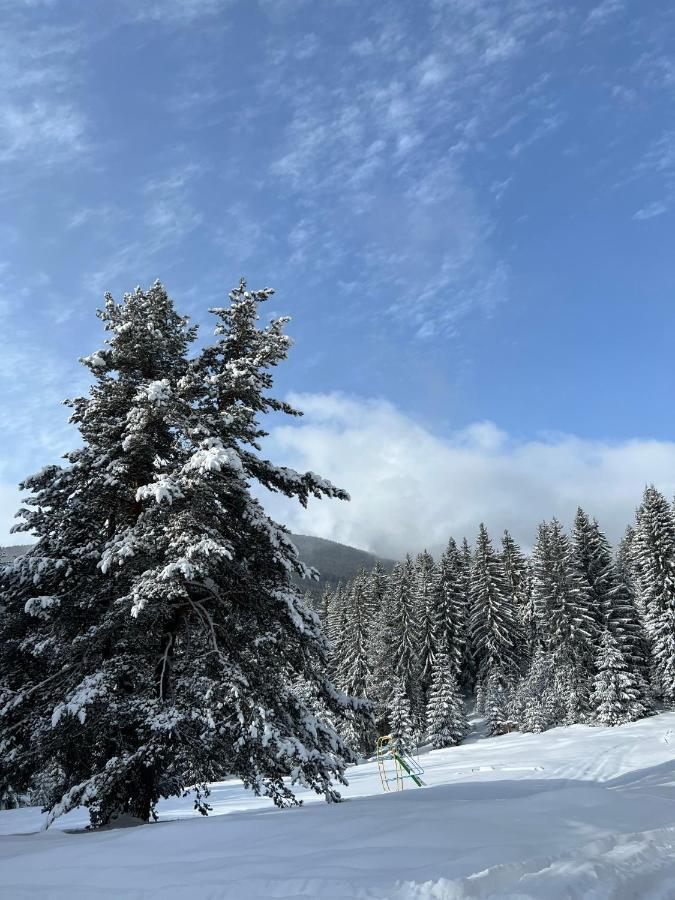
{"type": "Point", "coordinates": [447, 724]}
{"type": "Point", "coordinates": [495, 628]}
{"type": "Point", "coordinates": [383, 643]}
{"type": "Point", "coordinates": [400, 714]}
{"type": "Point", "coordinates": [610, 596]}
{"type": "Point", "coordinates": [517, 572]}
{"type": "Point", "coordinates": [654, 553]}
{"type": "Point", "coordinates": [354, 673]}
{"type": "Point", "coordinates": [535, 706]}
{"type": "Point", "coordinates": [451, 609]}
{"type": "Point", "coordinates": [406, 661]}
{"type": "Point", "coordinates": [425, 600]}
{"type": "Point", "coordinates": [152, 639]}
{"type": "Point", "coordinates": [376, 590]}
{"type": "Point", "coordinates": [468, 670]}
{"type": "Point", "coordinates": [618, 695]}
{"type": "Point", "coordinates": [592, 557]}
{"type": "Point", "coordinates": [564, 625]}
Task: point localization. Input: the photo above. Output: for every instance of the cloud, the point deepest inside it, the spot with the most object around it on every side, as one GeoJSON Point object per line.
{"type": "Point", "coordinates": [651, 210]}
{"type": "Point", "coordinates": [412, 488]}
{"type": "Point", "coordinates": [379, 159]}
{"type": "Point", "coordinates": [39, 64]}
{"type": "Point", "coordinates": [177, 12]}
{"type": "Point", "coordinates": [169, 215]}
{"type": "Point", "coordinates": [602, 13]}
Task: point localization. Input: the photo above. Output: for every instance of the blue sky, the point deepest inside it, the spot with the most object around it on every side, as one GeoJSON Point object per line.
{"type": "Point", "coordinates": [465, 205]}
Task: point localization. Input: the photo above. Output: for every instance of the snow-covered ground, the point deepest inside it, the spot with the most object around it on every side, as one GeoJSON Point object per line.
{"type": "Point", "coordinates": [575, 812]}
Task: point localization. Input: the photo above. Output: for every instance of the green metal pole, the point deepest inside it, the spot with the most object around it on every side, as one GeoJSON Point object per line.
{"type": "Point", "coordinates": [403, 763]}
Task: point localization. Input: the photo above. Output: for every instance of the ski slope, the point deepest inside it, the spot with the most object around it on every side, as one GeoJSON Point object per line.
{"type": "Point", "coordinates": [575, 812]}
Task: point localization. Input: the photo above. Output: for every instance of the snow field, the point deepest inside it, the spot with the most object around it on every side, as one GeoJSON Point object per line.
{"type": "Point", "coordinates": [574, 812]}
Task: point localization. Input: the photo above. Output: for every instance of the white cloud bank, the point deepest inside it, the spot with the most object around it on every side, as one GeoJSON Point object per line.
{"type": "Point", "coordinates": [412, 489]}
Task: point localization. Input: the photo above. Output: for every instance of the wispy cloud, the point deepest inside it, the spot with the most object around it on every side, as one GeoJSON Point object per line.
{"type": "Point", "coordinates": [39, 121]}
{"type": "Point", "coordinates": [602, 13]}
{"type": "Point", "coordinates": [177, 12]}
{"type": "Point", "coordinates": [169, 214]}
{"type": "Point", "coordinates": [651, 210]}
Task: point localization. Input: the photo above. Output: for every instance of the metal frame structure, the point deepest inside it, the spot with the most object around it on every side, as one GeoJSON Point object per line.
{"type": "Point", "coordinates": [395, 764]}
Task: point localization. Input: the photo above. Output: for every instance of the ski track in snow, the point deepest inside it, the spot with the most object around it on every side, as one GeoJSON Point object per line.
{"type": "Point", "coordinates": [576, 812]}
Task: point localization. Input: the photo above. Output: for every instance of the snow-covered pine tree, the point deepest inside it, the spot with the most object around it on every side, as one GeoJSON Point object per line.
{"type": "Point", "coordinates": [535, 705]}
{"type": "Point", "coordinates": [406, 662]}
{"type": "Point", "coordinates": [618, 695]}
{"type": "Point", "coordinates": [383, 642]}
{"type": "Point", "coordinates": [592, 556]}
{"type": "Point", "coordinates": [327, 600]}
{"type": "Point", "coordinates": [152, 639]}
{"type": "Point", "coordinates": [627, 567]}
{"type": "Point", "coordinates": [495, 627]}
{"type": "Point", "coordinates": [468, 674]}
{"type": "Point", "coordinates": [400, 716]}
{"type": "Point", "coordinates": [355, 667]}
{"type": "Point", "coordinates": [564, 625]}
{"type": "Point", "coordinates": [451, 609]}
{"type": "Point", "coordinates": [425, 600]}
{"type": "Point", "coordinates": [517, 572]}
{"type": "Point", "coordinates": [497, 696]}
{"type": "Point", "coordinates": [654, 554]}
{"type": "Point", "coordinates": [446, 719]}
{"type": "Point", "coordinates": [639, 654]}
{"type": "Point", "coordinates": [334, 627]}
{"type": "Point", "coordinates": [611, 596]}
{"type": "Point", "coordinates": [376, 590]}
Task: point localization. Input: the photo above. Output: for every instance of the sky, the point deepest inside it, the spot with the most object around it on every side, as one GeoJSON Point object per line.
{"type": "Point", "coordinates": [466, 206]}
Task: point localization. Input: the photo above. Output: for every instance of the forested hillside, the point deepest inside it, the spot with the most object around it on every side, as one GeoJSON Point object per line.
{"type": "Point", "coordinates": [333, 561]}
{"type": "Point", "coordinates": [571, 633]}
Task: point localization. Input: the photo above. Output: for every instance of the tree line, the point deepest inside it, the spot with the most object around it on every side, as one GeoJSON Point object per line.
{"type": "Point", "coordinates": [571, 632]}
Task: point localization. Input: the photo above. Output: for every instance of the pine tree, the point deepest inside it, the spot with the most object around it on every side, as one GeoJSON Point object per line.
{"type": "Point", "coordinates": [654, 553]}
{"type": "Point", "coordinates": [447, 724]}
{"type": "Point", "coordinates": [406, 661]}
{"type": "Point", "coordinates": [400, 715]}
{"type": "Point", "coordinates": [517, 574]}
{"type": "Point", "coordinates": [467, 678]}
{"type": "Point", "coordinates": [334, 628]}
{"type": "Point", "coordinates": [383, 644]}
{"type": "Point", "coordinates": [495, 629]}
{"type": "Point", "coordinates": [425, 600]}
{"type": "Point", "coordinates": [354, 673]}
{"type": "Point", "coordinates": [564, 624]}
{"type": "Point", "coordinates": [498, 692]}
{"type": "Point", "coordinates": [451, 609]}
{"type": "Point", "coordinates": [535, 706]}
{"type": "Point", "coordinates": [610, 597]}
{"type": "Point", "coordinates": [627, 567]}
{"type": "Point", "coordinates": [618, 695]}
{"type": "Point", "coordinates": [152, 639]}
{"type": "Point", "coordinates": [376, 590]}
{"type": "Point", "coordinates": [593, 560]}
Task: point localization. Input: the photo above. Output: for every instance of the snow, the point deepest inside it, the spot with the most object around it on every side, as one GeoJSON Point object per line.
{"type": "Point", "coordinates": [575, 812]}
{"type": "Point", "coordinates": [157, 392]}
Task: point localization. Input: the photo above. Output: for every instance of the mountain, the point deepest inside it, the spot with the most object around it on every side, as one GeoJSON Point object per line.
{"type": "Point", "coordinates": [7, 554]}
{"type": "Point", "coordinates": [335, 562]}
